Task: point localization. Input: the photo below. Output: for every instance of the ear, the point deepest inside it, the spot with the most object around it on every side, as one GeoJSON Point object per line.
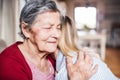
{"type": "Point", "coordinates": [25, 29]}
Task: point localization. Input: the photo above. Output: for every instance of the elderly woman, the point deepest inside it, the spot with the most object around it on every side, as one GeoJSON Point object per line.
{"type": "Point", "coordinates": [40, 24]}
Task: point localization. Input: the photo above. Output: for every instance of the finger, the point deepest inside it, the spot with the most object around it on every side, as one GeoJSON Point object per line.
{"type": "Point", "coordinates": [88, 62]}
{"type": "Point", "coordinates": [80, 57]}
{"type": "Point", "coordinates": [97, 55]}
{"type": "Point", "coordinates": [86, 49]}
{"type": "Point", "coordinates": [88, 59]}
{"type": "Point", "coordinates": [94, 70]}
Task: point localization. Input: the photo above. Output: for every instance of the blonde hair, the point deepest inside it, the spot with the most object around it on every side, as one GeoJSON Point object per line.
{"type": "Point", "coordinates": [69, 38]}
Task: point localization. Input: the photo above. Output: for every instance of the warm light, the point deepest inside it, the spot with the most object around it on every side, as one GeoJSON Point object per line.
{"type": "Point", "coordinates": [85, 16]}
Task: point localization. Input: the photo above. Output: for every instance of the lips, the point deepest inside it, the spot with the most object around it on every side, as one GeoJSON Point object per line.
{"type": "Point", "coordinates": [53, 43]}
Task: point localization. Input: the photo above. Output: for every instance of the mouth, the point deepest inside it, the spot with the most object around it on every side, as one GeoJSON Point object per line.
{"type": "Point", "coordinates": [55, 41]}
{"type": "Point", "coordinates": [52, 42]}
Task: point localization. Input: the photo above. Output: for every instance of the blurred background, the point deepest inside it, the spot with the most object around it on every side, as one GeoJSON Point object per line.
{"type": "Point", "coordinates": [97, 23]}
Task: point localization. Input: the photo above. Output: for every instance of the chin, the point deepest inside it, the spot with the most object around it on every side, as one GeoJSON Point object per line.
{"type": "Point", "coordinates": [52, 50]}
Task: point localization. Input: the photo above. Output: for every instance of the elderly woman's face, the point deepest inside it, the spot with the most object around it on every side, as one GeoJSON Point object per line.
{"type": "Point", "coordinates": [45, 31]}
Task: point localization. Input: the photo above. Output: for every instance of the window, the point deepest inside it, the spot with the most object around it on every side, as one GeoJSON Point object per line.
{"type": "Point", "coordinates": [85, 17]}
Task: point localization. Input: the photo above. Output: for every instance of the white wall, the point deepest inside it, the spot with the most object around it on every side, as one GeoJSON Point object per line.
{"type": "Point", "coordinates": [9, 26]}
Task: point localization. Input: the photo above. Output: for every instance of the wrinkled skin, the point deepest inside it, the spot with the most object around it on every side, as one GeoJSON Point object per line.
{"type": "Point", "coordinates": [82, 68]}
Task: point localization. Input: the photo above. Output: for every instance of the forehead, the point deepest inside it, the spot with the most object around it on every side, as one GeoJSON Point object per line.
{"type": "Point", "coordinates": [48, 17]}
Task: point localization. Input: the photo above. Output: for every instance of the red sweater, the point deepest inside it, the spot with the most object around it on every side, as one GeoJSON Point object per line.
{"type": "Point", "coordinates": [13, 65]}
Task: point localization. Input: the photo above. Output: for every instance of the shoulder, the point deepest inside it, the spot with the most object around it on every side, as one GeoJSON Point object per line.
{"type": "Point", "coordinates": [103, 72]}
{"type": "Point", "coordinates": [13, 68]}
{"type": "Point", "coordinates": [60, 57]}
{"type": "Point", "coordinates": [11, 54]}
{"type": "Point", "coordinates": [13, 64]}
{"type": "Point", "coordinates": [12, 48]}
{"type": "Point", "coordinates": [99, 62]}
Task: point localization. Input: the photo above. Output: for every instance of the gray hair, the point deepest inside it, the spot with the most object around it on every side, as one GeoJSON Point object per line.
{"type": "Point", "coordinates": [34, 7]}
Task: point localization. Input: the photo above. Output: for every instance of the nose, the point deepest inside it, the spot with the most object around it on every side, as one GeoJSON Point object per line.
{"type": "Point", "coordinates": [56, 32]}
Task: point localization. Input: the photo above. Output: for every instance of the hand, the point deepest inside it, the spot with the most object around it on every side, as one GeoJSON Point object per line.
{"type": "Point", "coordinates": [91, 52]}
{"type": "Point", "coordinates": [82, 69]}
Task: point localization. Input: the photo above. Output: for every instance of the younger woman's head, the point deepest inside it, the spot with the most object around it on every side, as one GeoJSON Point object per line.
{"type": "Point", "coordinates": [68, 40]}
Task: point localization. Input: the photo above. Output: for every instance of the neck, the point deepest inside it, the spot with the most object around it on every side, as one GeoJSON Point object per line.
{"type": "Point", "coordinates": [32, 53]}
{"type": "Point", "coordinates": [30, 50]}
{"type": "Point", "coordinates": [55, 54]}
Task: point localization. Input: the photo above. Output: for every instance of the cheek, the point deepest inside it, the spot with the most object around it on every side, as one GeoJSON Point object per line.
{"type": "Point", "coordinates": [42, 35]}
{"type": "Point", "coordinates": [60, 34]}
